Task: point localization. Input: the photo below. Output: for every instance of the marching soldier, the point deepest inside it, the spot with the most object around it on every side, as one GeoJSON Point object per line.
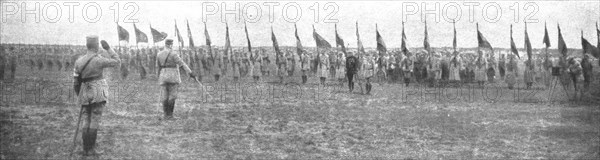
{"type": "Point", "coordinates": [92, 89]}
{"type": "Point", "coordinates": [351, 69]}
{"type": "Point", "coordinates": [169, 77]}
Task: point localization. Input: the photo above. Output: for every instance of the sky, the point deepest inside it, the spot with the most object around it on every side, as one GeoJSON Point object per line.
{"type": "Point", "coordinates": [494, 19]}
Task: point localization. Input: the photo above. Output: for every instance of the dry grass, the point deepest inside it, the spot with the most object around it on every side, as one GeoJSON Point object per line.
{"type": "Point", "coordinates": [394, 123]}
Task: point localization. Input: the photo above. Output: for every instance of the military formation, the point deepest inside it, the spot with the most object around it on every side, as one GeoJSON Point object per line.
{"type": "Point", "coordinates": [331, 66]}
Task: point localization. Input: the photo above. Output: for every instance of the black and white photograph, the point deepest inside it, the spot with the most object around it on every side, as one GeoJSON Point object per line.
{"type": "Point", "coordinates": [281, 79]}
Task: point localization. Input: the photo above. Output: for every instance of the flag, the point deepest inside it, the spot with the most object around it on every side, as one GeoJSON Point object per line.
{"type": "Point", "coordinates": [189, 33]}
{"type": "Point", "coordinates": [513, 48]}
{"type": "Point", "coordinates": [123, 34]}
{"type": "Point", "coordinates": [589, 48]}
{"type": "Point", "coordinates": [483, 43]}
{"type": "Point", "coordinates": [562, 46]}
{"type": "Point", "coordinates": [527, 44]}
{"type": "Point", "coordinates": [206, 35]}
{"type": "Point", "coordinates": [454, 44]}
{"type": "Point", "coordinates": [380, 44]}
{"type": "Point", "coordinates": [157, 36]}
{"type": "Point", "coordinates": [298, 42]}
{"type": "Point", "coordinates": [426, 45]}
{"type": "Point", "coordinates": [339, 41]}
{"type": "Point", "coordinates": [321, 42]}
{"type": "Point", "coordinates": [403, 45]}
{"type": "Point", "coordinates": [359, 43]}
{"type": "Point", "coordinates": [227, 41]}
{"type": "Point", "coordinates": [139, 35]}
{"type": "Point", "coordinates": [546, 37]}
{"type": "Point", "coordinates": [178, 35]}
{"type": "Point", "coordinates": [597, 34]}
{"type": "Point", "coordinates": [275, 45]}
{"type": "Point", "coordinates": [248, 39]}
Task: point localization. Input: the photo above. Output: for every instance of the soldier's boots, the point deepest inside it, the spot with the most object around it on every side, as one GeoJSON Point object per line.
{"type": "Point", "coordinates": [89, 142]}
{"type": "Point", "coordinates": [368, 87]}
{"type": "Point", "coordinates": [170, 106]}
{"type": "Point", "coordinates": [304, 79]}
{"type": "Point", "coordinates": [351, 86]}
{"type": "Point", "coordinates": [165, 105]}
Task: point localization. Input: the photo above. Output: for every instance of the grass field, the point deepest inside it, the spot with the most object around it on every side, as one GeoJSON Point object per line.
{"type": "Point", "coordinates": [272, 121]}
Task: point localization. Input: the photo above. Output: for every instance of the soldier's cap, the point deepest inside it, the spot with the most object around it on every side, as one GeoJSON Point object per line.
{"type": "Point", "coordinates": [169, 42]}
{"type": "Point", "coordinates": [92, 42]}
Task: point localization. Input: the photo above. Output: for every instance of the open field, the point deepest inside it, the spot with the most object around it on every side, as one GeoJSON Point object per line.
{"type": "Point", "coordinates": [273, 121]}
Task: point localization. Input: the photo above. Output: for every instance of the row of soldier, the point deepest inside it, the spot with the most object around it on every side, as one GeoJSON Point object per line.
{"type": "Point", "coordinates": [433, 68]}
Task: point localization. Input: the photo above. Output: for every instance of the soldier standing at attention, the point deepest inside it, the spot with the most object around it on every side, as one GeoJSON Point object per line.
{"type": "Point", "coordinates": [169, 77]}
{"type": "Point", "coordinates": [305, 65]}
{"type": "Point", "coordinates": [586, 65]}
{"type": "Point", "coordinates": [323, 64]}
{"type": "Point", "coordinates": [351, 68]}
{"type": "Point", "coordinates": [92, 89]}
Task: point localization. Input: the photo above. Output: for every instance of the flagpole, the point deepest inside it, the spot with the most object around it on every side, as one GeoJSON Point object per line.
{"type": "Point", "coordinates": [118, 38]}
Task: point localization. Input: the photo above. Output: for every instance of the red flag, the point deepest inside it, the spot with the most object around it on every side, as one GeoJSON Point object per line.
{"type": "Point", "coordinates": [359, 42]}
{"type": "Point", "coordinates": [380, 43]}
{"type": "Point", "coordinates": [157, 36]}
{"type": "Point", "coordinates": [339, 41]}
{"type": "Point", "coordinates": [527, 44]}
{"type": "Point", "coordinates": [513, 48]}
{"type": "Point", "coordinates": [321, 42]}
{"type": "Point", "coordinates": [123, 34]}
{"type": "Point", "coordinates": [562, 46]}
{"type": "Point", "coordinates": [139, 35]}
{"type": "Point", "coordinates": [483, 43]}
{"type": "Point", "coordinates": [546, 37]}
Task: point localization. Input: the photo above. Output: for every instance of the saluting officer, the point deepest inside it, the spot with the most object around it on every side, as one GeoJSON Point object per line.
{"type": "Point", "coordinates": [92, 89]}
{"type": "Point", "coordinates": [169, 77]}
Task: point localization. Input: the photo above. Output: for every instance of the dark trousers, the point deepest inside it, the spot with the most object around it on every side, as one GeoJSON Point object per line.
{"type": "Point", "coordinates": [350, 80]}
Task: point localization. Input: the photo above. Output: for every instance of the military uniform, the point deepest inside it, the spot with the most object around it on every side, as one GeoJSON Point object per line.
{"type": "Point", "coordinates": [351, 70]}
{"type": "Point", "coordinates": [586, 65]}
{"type": "Point", "coordinates": [169, 77]}
{"type": "Point", "coordinates": [529, 73]}
{"type": "Point", "coordinates": [511, 69]}
{"type": "Point", "coordinates": [407, 69]}
{"type": "Point", "coordinates": [305, 65]}
{"type": "Point", "coordinates": [93, 89]}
